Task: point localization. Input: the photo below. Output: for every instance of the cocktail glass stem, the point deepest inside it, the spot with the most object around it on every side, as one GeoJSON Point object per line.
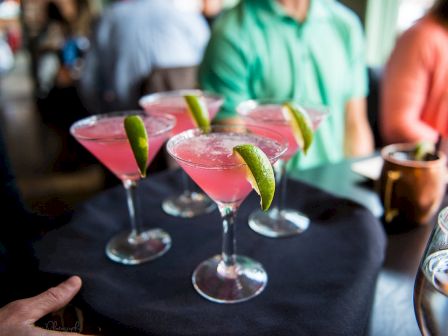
{"type": "Point", "coordinates": [229, 278]}
{"type": "Point", "coordinates": [136, 245]}
{"type": "Point", "coordinates": [189, 203]}
{"type": "Point", "coordinates": [280, 179]}
{"type": "Point", "coordinates": [279, 221]}
{"type": "Point", "coordinates": [186, 183]}
{"type": "Point", "coordinates": [134, 210]}
{"type": "Point", "coordinates": [226, 267]}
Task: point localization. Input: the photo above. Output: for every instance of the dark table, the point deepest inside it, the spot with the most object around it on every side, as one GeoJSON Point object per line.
{"type": "Point", "coordinates": [320, 283]}
{"type": "Point", "coordinates": [393, 311]}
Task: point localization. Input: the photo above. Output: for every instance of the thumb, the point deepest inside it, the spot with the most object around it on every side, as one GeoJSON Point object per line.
{"type": "Point", "coordinates": [52, 299]}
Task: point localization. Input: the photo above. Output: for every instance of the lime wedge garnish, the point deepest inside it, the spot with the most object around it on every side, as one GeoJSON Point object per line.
{"type": "Point", "coordinates": [301, 125]}
{"type": "Point", "coordinates": [198, 112]}
{"type": "Point", "coordinates": [260, 173]}
{"type": "Point", "coordinates": [138, 139]}
{"type": "Point", "coordinates": [422, 148]}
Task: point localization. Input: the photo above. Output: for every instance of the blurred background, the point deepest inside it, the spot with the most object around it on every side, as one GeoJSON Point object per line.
{"type": "Point", "coordinates": [41, 59]}
{"type": "Point", "coordinates": [47, 43]}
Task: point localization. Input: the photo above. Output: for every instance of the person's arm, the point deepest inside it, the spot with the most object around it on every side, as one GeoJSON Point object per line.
{"type": "Point", "coordinates": [358, 139]}
{"type": "Point", "coordinates": [358, 135]}
{"type": "Point", "coordinates": [18, 317]}
{"type": "Point", "coordinates": [403, 93]}
{"type": "Point", "coordinates": [224, 70]}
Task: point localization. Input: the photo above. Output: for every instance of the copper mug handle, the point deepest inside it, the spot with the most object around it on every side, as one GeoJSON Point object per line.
{"type": "Point", "coordinates": [389, 212]}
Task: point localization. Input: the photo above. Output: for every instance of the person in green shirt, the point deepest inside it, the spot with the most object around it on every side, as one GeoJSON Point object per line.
{"type": "Point", "coordinates": [306, 50]}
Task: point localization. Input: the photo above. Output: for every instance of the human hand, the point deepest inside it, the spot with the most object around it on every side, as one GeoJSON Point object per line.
{"type": "Point", "coordinates": [18, 317]}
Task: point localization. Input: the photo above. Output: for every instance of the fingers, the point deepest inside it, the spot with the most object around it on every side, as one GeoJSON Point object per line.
{"type": "Point", "coordinates": [43, 332]}
{"type": "Point", "coordinates": [52, 299]}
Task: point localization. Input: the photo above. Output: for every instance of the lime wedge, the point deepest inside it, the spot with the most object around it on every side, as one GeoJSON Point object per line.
{"type": "Point", "coordinates": [260, 173]}
{"type": "Point", "coordinates": [138, 139]}
{"type": "Point", "coordinates": [300, 123]}
{"type": "Point", "coordinates": [422, 148]}
{"type": "Point", "coordinates": [198, 112]}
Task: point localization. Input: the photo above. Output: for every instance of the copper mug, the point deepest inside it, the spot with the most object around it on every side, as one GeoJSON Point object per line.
{"type": "Point", "coordinates": [411, 191]}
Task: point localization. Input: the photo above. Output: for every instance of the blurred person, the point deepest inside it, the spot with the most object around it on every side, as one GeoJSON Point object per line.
{"type": "Point", "coordinates": [309, 50]}
{"type": "Point", "coordinates": [16, 235]}
{"type": "Point", "coordinates": [19, 275]}
{"type": "Point", "coordinates": [414, 103]}
{"type": "Point", "coordinates": [131, 39]}
{"type": "Point", "coordinates": [68, 33]}
{"type": "Point", "coordinates": [17, 262]}
{"type": "Point", "coordinates": [59, 103]}
{"type": "Point", "coordinates": [81, 23]}
{"type": "Point", "coordinates": [62, 44]}
{"type": "Point", "coordinates": [49, 44]}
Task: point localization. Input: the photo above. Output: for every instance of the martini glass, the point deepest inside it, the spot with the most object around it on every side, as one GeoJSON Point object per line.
{"type": "Point", "coordinates": [189, 203]}
{"type": "Point", "coordinates": [105, 137]}
{"type": "Point", "coordinates": [208, 159]}
{"type": "Point", "coordinates": [278, 221]}
{"type": "Point", "coordinates": [431, 282]}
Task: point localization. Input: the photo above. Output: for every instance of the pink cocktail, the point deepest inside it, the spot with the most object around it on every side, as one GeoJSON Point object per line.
{"type": "Point", "coordinates": [116, 154]}
{"type": "Point", "coordinates": [278, 222]}
{"type": "Point", "coordinates": [209, 160]}
{"type": "Point", "coordinates": [272, 116]}
{"type": "Point", "coordinates": [228, 183]}
{"type": "Point", "coordinates": [105, 137]}
{"type": "Point", "coordinates": [173, 103]}
{"type": "Point", "coordinates": [175, 106]}
{"type": "Point", "coordinates": [188, 204]}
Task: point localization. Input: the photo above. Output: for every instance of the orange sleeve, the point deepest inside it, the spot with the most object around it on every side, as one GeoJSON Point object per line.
{"type": "Point", "coordinates": [403, 91]}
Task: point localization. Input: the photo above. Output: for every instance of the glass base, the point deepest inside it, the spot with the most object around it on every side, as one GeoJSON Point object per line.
{"type": "Point", "coordinates": [188, 205]}
{"type": "Point", "coordinates": [275, 223]}
{"type": "Point", "coordinates": [125, 249]}
{"type": "Point", "coordinates": [244, 281]}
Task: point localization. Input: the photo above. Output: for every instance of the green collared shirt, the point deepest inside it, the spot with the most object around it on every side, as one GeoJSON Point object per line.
{"type": "Point", "coordinates": [258, 51]}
